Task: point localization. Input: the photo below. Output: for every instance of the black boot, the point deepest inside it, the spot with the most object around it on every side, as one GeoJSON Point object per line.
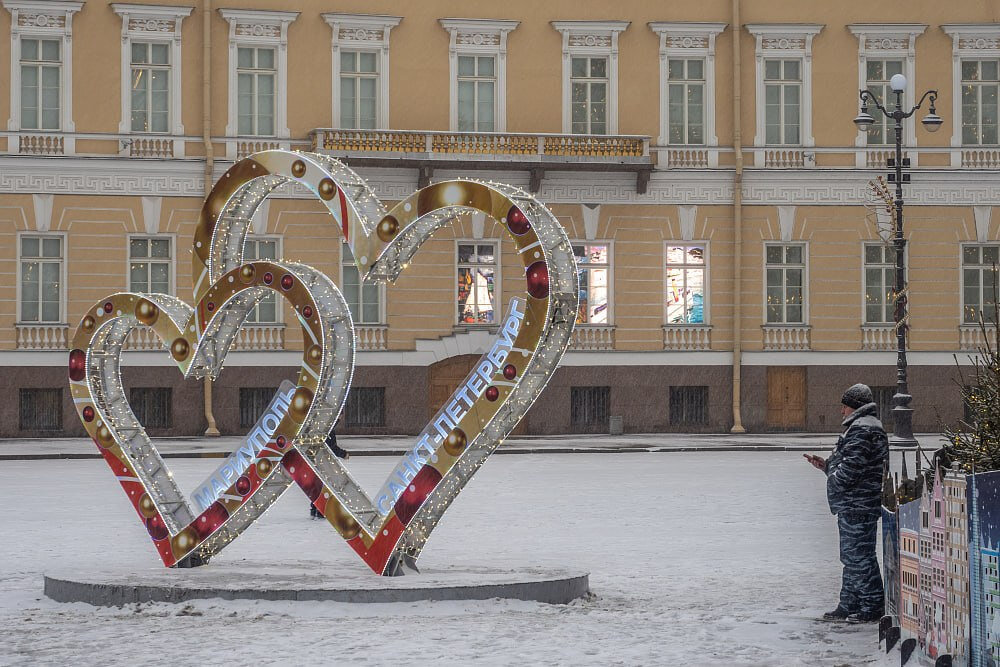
{"type": "Point", "coordinates": [838, 614]}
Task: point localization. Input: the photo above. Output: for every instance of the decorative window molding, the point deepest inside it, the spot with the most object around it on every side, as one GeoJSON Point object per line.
{"type": "Point", "coordinates": [362, 32]}
{"type": "Point", "coordinates": [686, 283]}
{"type": "Point", "coordinates": [784, 41]}
{"type": "Point", "coordinates": [590, 38]}
{"type": "Point", "coordinates": [478, 37]}
{"type": "Point", "coordinates": [969, 41]}
{"type": "Point", "coordinates": [35, 249]}
{"type": "Point", "coordinates": [688, 41]}
{"type": "Point", "coordinates": [885, 41]}
{"type": "Point", "coordinates": [259, 28]}
{"type": "Point", "coordinates": [51, 19]}
{"type": "Point", "coordinates": [157, 25]}
{"type": "Point", "coordinates": [786, 283]}
{"type": "Point", "coordinates": [595, 266]}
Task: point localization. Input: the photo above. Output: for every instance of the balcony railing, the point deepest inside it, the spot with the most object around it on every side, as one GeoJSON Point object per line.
{"type": "Point", "coordinates": [786, 337]}
{"type": "Point", "coordinates": [970, 337]}
{"type": "Point", "coordinates": [42, 336]}
{"type": "Point", "coordinates": [593, 337]}
{"type": "Point", "coordinates": [371, 337]}
{"type": "Point", "coordinates": [981, 158]}
{"type": "Point", "coordinates": [253, 337]}
{"type": "Point", "coordinates": [41, 144]}
{"type": "Point", "coordinates": [687, 337]}
{"type": "Point", "coordinates": [878, 337]}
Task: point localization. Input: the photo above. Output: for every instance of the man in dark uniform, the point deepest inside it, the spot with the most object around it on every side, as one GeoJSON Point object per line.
{"type": "Point", "coordinates": [340, 453]}
{"type": "Point", "coordinates": [854, 491]}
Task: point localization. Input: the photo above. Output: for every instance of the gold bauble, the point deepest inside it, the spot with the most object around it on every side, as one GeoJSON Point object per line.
{"type": "Point", "coordinates": [445, 194]}
{"type": "Point", "coordinates": [146, 312]}
{"type": "Point", "coordinates": [247, 274]}
{"type": "Point", "coordinates": [104, 436]}
{"type": "Point", "coordinates": [299, 406]}
{"type": "Point", "coordinates": [340, 519]}
{"type": "Point", "coordinates": [184, 541]}
{"type": "Point", "coordinates": [456, 442]}
{"type": "Point", "coordinates": [314, 354]}
{"type": "Point", "coordinates": [327, 189]}
{"type": "Point", "coordinates": [180, 349]}
{"type": "Point", "coordinates": [298, 169]}
{"type": "Point", "coordinates": [88, 323]}
{"type": "Point", "coordinates": [387, 228]}
{"type": "Point", "coordinates": [146, 506]}
{"type": "Point", "coordinates": [263, 468]}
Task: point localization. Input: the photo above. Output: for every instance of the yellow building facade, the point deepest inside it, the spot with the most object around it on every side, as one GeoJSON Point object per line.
{"type": "Point", "coordinates": [716, 197]}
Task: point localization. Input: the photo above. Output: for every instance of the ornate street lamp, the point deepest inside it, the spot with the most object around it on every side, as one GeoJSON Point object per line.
{"type": "Point", "coordinates": [902, 413]}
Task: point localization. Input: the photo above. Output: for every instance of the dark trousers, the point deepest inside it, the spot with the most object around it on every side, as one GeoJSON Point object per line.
{"type": "Point", "coordinates": [861, 590]}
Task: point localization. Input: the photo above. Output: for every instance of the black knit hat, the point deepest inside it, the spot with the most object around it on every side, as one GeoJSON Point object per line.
{"type": "Point", "coordinates": [857, 395]}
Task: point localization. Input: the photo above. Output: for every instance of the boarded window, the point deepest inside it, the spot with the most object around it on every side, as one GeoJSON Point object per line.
{"type": "Point", "coordinates": [41, 410]}
{"type": "Point", "coordinates": [883, 399]}
{"type": "Point", "coordinates": [253, 403]}
{"type": "Point", "coordinates": [151, 406]}
{"type": "Point", "coordinates": [589, 407]}
{"type": "Point", "coordinates": [688, 406]}
{"type": "Point", "coordinates": [365, 407]}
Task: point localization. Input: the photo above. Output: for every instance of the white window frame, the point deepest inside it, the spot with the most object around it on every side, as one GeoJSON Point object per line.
{"type": "Point", "coordinates": [979, 105]}
{"type": "Point", "coordinates": [381, 287]}
{"type": "Point", "coordinates": [153, 24]}
{"type": "Point", "coordinates": [278, 308]}
{"type": "Point", "coordinates": [593, 39]}
{"type": "Point", "coordinates": [864, 281]}
{"type": "Point", "coordinates": [42, 19]}
{"type": "Point", "coordinates": [961, 278]}
{"type": "Point", "coordinates": [478, 37]}
{"type": "Point", "coordinates": [805, 283]}
{"type": "Point", "coordinates": [706, 318]}
{"type": "Point", "coordinates": [497, 284]}
{"type": "Point", "coordinates": [688, 41]}
{"type": "Point", "coordinates": [357, 75]}
{"type": "Point", "coordinates": [362, 32]}
{"type": "Point", "coordinates": [267, 29]}
{"type": "Point", "coordinates": [62, 276]}
{"type": "Point", "coordinates": [784, 41]}
{"type": "Point", "coordinates": [611, 277]}
{"type": "Point", "coordinates": [173, 258]}
{"type": "Point", "coordinates": [969, 41]}
{"type": "Point", "coordinates": [887, 41]}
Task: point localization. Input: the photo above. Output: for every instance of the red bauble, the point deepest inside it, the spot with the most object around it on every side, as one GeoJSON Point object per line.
{"type": "Point", "coordinates": [108, 307]}
{"type": "Point", "coordinates": [509, 371]}
{"type": "Point", "coordinates": [280, 441]}
{"type": "Point", "coordinates": [88, 414]}
{"type": "Point", "coordinates": [268, 278]}
{"type": "Point", "coordinates": [210, 306]}
{"type": "Point", "coordinates": [538, 280]}
{"type": "Point", "coordinates": [157, 529]}
{"type": "Point", "coordinates": [243, 485]}
{"type": "Point", "coordinates": [286, 282]}
{"type": "Point", "coordinates": [302, 474]}
{"type": "Point", "coordinates": [416, 493]}
{"type": "Point", "coordinates": [211, 519]}
{"type": "Point", "coordinates": [492, 393]}
{"type": "Point", "coordinates": [307, 312]}
{"type": "Point", "coordinates": [517, 221]}
{"type": "Point", "coordinates": [77, 365]}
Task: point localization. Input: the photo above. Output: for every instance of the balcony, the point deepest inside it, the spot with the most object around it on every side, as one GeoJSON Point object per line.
{"type": "Point", "coordinates": [970, 337]}
{"type": "Point", "coordinates": [370, 337]}
{"type": "Point", "coordinates": [687, 337]}
{"type": "Point", "coordinates": [253, 337]}
{"type": "Point", "coordinates": [534, 153]}
{"type": "Point", "coordinates": [786, 337]}
{"type": "Point", "coordinates": [591, 337]}
{"type": "Point", "coordinates": [42, 336]}
{"type": "Point", "coordinates": [878, 337]}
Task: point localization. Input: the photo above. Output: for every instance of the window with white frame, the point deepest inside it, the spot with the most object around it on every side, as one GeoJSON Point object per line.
{"type": "Point", "coordinates": [979, 282]}
{"type": "Point", "coordinates": [880, 281]}
{"type": "Point", "coordinates": [478, 272]}
{"type": "Point", "coordinates": [363, 299]}
{"type": "Point", "coordinates": [686, 100]}
{"type": "Point", "coordinates": [358, 90]}
{"type": "Point", "coordinates": [41, 258]}
{"type": "Point", "coordinates": [262, 248]}
{"type": "Point", "coordinates": [590, 75]}
{"type": "Point", "coordinates": [476, 88]}
{"type": "Point", "coordinates": [589, 83]}
{"type": "Point", "coordinates": [980, 84]}
{"type": "Point", "coordinates": [878, 73]}
{"type": "Point", "coordinates": [687, 272]}
{"type": "Point", "coordinates": [593, 265]}
{"type": "Point", "coordinates": [150, 90]}
{"type": "Point", "coordinates": [785, 274]}
{"type": "Point", "coordinates": [150, 264]}
{"type": "Point", "coordinates": [255, 77]}
{"type": "Point", "coordinates": [41, 73]}
{"type": "Point", "coordinates": [783, 102]}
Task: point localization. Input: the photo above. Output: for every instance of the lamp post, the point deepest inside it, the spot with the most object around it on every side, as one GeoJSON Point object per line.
{"type": "Point", "coordinates": [902, 413]}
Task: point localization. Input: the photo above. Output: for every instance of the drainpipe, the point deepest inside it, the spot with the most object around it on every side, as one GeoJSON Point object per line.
{"type": "Point", "coordinates": [206, 125]}
{"type": "Point", "coordinates": [737, 223]}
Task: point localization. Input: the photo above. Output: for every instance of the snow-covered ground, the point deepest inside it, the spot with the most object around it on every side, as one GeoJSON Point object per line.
{"type": "Point", "coordinates": [704, 558]}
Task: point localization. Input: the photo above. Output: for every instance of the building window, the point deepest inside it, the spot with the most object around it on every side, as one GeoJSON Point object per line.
{"type": "Point", "coordinates": [979, 283]}
{"type": "Point", "coordinates": [589, 408]}
{"type": "Point", "coordinates": [41, 410]}
{"type": "Point", "coordinates": [477, 276]}
{"type": "Point", "coordinates": [365, 407]}
{"type": "Point", "coordinates": [593, 264]}
{"type": "Point", "coordinates": [364, 299]}
{"type": "Point", "coordinates": [360, 54]}
{"type": "Point", "coordinates": [358, 90]}
{"type": "Point", "coordinates": [880, 281]}
{"type": "Point", "coordinates": [150, 104]}
{"type": "Point", "coordinates": [41, 72]}
{"type": "Point", "coordinates": [686, 270]}
{"type": "Point", "coordinates": [785, 299]}
{"type": "Point", "coordinates": [686, 101]}
{"type": "Point", "coordinates": [689, 406]}
{"type": "Point", "coordinates": [266, 310]}
{"type": "Point", "coordinates": [253, 403]}
{"type": "Point", "coordinates": [255, 77]}
{"type": "Point", "coordinates": [783, 102]}
{"type": "Point", "coordinates": [476, 93]}
{"type": "Point", "coordinates": [41, 278]}
{"type": "Point", "coordinates": [980, 82]}
{"type": "Point", "coordinates": [150, 261]}
{"type": "Point", "coordinates": [151, 406]}
{"type": "Point", "coordinates": [879, 71]}
{"type": "Point", "coordinates": [589, 84]}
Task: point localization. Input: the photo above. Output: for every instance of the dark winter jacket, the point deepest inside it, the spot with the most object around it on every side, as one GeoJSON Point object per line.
{"type": "Point", "coordinates": [854, 470]}
{"type": "Point", "coordinates": [331, 442]}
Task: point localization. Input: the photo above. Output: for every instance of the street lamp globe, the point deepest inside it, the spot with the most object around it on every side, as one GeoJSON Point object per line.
{"type": "Point", "coordinates": [864, 119]}
{"type": "Point", "coordinates": [932, 122]}
{"type": "Point", "coordinates": [897, 83]}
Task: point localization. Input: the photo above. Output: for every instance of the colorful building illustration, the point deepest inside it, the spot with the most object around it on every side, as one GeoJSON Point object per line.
{"type": "Point", "coordinates": [926, 612]}
{"type": "Point", "coordinates": [984, 584]}
{"type": "Point", "coordinates": [937, 624]}
{"type": "Point", "coordinates": [909, 568]}
{"type": "Point", "coordinates": [956, 568]}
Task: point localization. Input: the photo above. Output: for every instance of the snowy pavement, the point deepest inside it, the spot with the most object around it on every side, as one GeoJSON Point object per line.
{"type": "Point", "coordinates": [714, 559]}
